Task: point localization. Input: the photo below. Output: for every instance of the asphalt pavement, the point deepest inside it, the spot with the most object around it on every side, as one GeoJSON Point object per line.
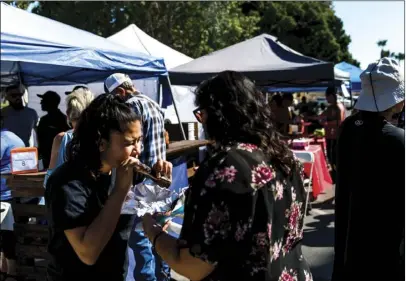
{"type": "Point", "coordinates": [318, 240]}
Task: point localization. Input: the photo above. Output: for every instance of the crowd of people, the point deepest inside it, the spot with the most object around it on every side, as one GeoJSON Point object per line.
{"type": "Point", "coordinates": [309, 116]}
{"type": "Point", "coordinates": [245, 207]}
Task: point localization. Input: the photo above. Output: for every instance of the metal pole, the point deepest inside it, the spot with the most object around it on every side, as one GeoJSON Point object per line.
{"type": "Point", "coordinates": [352, 100]}
{"type": "Point", "coordinates": [176, 109]}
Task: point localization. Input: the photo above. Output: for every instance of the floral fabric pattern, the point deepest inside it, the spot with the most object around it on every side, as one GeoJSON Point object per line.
{"type": "Point", "coordinates": [261, 175]}
{"type": "Point", "coordinates": [246, 218]}
{"type": "Point", "coordinates": [225, 174]}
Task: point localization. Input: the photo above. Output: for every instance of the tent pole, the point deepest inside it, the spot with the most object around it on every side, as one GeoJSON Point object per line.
{"type": "Point", "coordinates": [176, 109]}
{"type": "Point", "coordinates": [351, 104]}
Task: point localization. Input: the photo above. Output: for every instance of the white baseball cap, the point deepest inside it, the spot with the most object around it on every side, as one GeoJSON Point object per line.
{"type": "Point", "coordinates": [383, 86]}
{"type": "Point", "coordinates": [115, 80]}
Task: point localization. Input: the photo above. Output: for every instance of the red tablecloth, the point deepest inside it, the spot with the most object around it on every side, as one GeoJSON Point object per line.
{"type": "Point", "coordinates": [321, 178]}
{"type": "Point", "coordinates": [321, 142]}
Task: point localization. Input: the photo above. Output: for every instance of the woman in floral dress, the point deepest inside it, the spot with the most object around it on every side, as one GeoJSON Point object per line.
{"type": "Point", "coordinates": [245, 208]}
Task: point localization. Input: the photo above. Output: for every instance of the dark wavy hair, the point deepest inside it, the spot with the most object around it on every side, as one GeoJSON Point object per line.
{"type": "Point", "coordinates": [237, 112]}
{"type": "Point", "coordinates": [105, 114]}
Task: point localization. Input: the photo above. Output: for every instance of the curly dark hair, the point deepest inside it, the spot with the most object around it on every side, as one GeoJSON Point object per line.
{"type": "Point", "coordinates": [105, 114]}
{"type": "Point", "coordinates": [237, 112]}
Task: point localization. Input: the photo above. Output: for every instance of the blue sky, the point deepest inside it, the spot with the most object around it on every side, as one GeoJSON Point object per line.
{"type": "Point", "coordinates": [367, 22]}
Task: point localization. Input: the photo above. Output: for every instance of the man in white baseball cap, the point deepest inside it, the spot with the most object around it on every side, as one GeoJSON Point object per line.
{"type": "Point", "coordinates": [117, 83]}
{"type": "Point", "coordinates": [370, 189]}
{"type": "Point", "coordinates": [147, 264]}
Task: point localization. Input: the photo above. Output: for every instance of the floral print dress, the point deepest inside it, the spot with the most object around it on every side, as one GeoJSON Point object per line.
{"type": "Point", "coordinates": [246, 218]}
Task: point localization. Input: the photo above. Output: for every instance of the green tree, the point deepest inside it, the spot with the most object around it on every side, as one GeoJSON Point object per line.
{"type": "Point", "coordinates": [400, 57]}
{"type": "Point", "coordinates": [19, 4]}
{"type": "Point", "coordinates": [387, 53]}
{"type": "Point", "coordinates": [195, 28]}
{"type": "Point", "coordinates": [382, 45]}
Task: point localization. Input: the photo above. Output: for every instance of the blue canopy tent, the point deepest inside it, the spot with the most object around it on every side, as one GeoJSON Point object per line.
{"type": "Point", "coordinates": [354, 72]}
{"type": "Point", "coordinates": [41, 51]}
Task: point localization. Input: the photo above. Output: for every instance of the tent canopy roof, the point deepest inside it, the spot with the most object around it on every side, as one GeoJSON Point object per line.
{"type": "Point", "coordinates": [261, 58]}
{"type": "Point", "coordinates": [354, 71]}
{"type": "Point", "coordinates": [134, 38]}
{"type": "Point", "coordinates": [47, 52]}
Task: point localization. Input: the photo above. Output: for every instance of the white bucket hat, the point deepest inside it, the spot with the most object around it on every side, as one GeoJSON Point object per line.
{"type": "Point", "coordinates": [383, 86]}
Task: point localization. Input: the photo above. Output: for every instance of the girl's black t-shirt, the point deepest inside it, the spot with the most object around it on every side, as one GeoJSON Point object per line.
{"type": "Point", "coordinates": [74, 199]}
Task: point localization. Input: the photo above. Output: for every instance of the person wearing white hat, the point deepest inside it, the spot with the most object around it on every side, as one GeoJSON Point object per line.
{"type": "Point", "coordinates": [370, 190]}
{"type": "Point", "coordinates": [148, 265]}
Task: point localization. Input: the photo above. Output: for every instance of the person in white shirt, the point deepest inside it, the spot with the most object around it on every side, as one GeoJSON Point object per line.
{"type": "Point", "coordinates": [19, 119]}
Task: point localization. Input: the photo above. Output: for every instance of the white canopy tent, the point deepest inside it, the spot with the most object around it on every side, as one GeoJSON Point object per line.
{"type": "Point", "coordinates": [134, 38]}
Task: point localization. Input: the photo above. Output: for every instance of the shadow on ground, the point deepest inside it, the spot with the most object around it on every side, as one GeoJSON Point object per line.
{"type": "Point", "coordinates": [322, 221]}
{"type": "Point", "coordinates": [318, 240]}
{"type": "Point", "coordinates": [324, 205]}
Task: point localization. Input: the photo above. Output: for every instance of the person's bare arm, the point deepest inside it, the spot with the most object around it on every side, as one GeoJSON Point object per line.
{"type": "Point", "coordinates": [36, 120]}
{"type": "Point", "coordinates": [89, 242]}
{"type": "Point", "coordinates": [55, 150]}
{"type": "Point", "coordinates": [36, 124]}
{"type": "Point", "coordinates": [179, 259]}
{"type": "Point", "coordinates": [342, 113]}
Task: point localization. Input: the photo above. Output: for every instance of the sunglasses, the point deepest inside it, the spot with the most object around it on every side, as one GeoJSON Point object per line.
{"type": "Point", "coordinates": [198, 114]}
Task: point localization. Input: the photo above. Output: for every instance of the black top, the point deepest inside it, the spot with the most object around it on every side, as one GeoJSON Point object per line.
{"type": "Point", "coordinates": [370, 199]}
{"type": "Point", "coordinates": [48, 127]}
{"type": "Point", "coordinates": [246, 218]}
{"type": "Point", "coordinates": [74, 199]}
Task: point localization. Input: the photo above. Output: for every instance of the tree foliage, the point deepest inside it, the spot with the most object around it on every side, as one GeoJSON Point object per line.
{"type": "Point", "coordinates": [194, 28]}
{"type": "Point", "coordinates": [311, 28]}
{"type": "Point", "coordinates": [387, 53]}
{"type": "Point", "coordinates": [20, 4]}
{"type": "Point", "coordinates": [197, 28]}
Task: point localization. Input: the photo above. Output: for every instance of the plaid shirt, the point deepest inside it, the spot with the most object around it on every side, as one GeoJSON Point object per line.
{"type": "Point", "coordinates": [153, 128]}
